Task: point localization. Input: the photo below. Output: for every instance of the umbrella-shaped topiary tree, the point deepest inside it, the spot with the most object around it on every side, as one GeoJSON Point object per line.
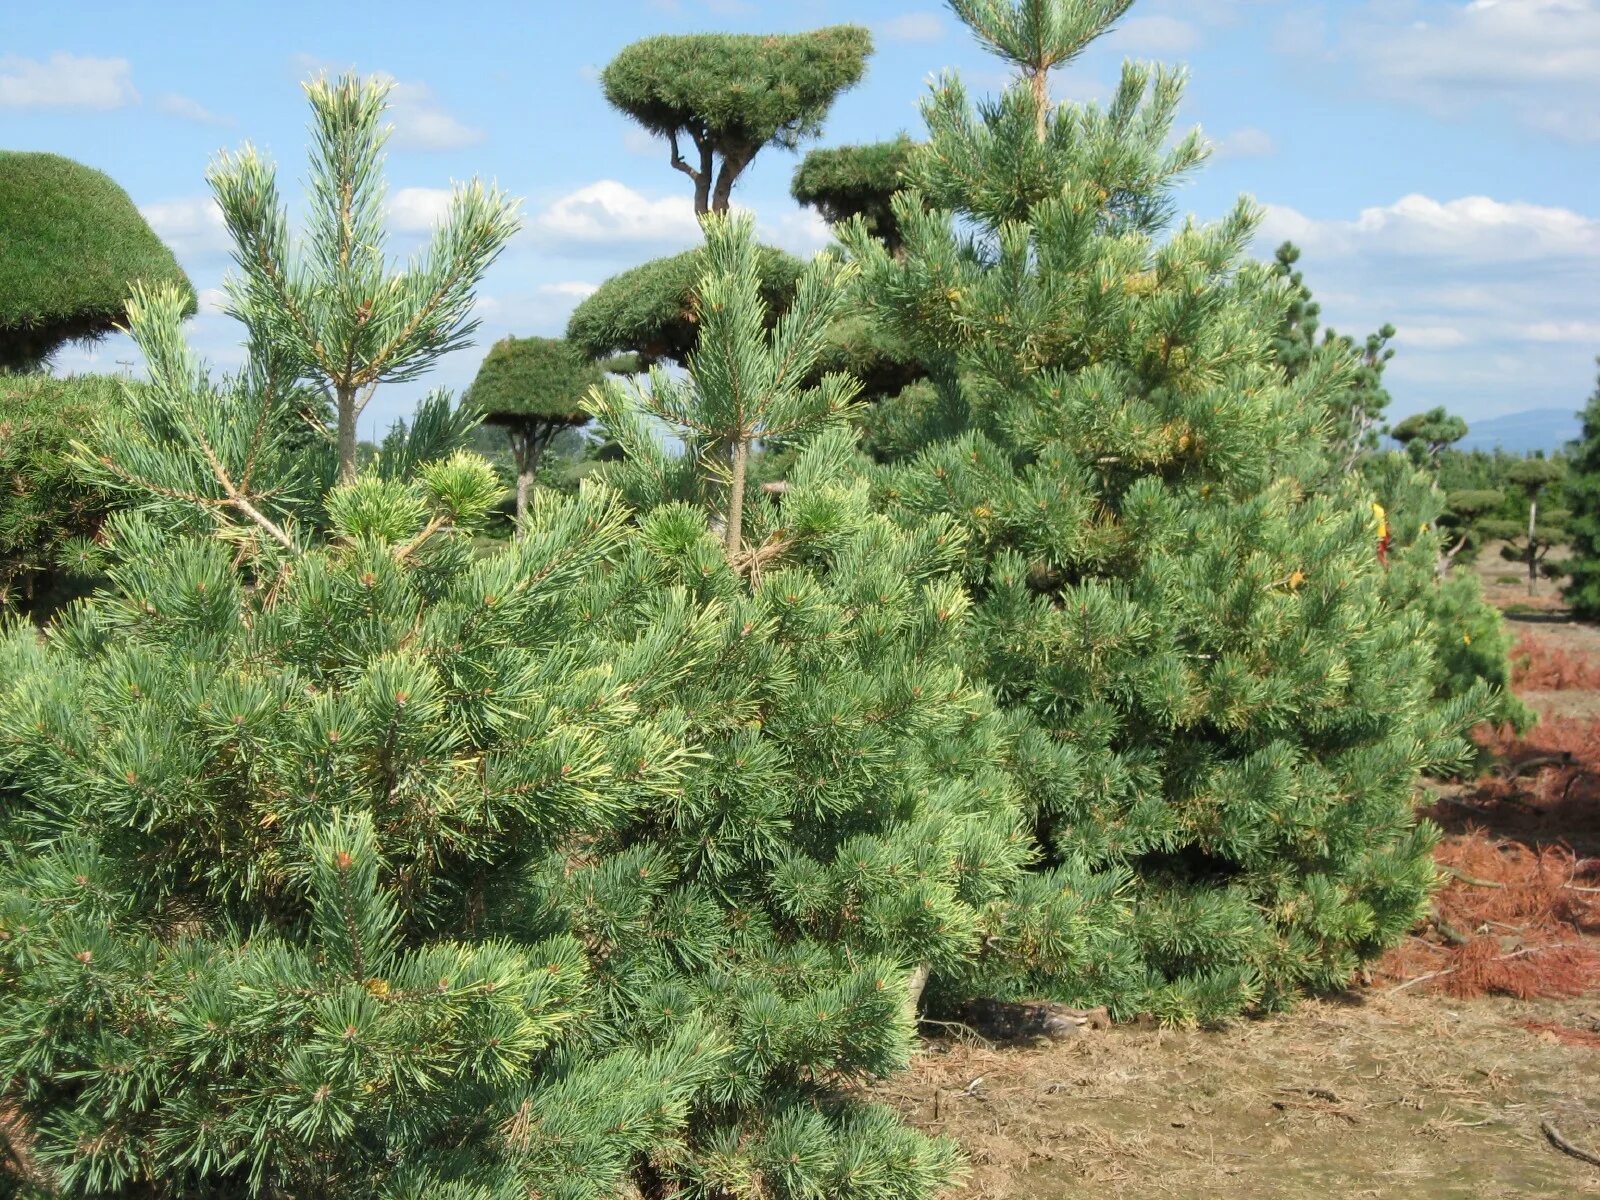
{"type": "Point", "coordinates": [533, 388]}
{"type": "Point", "coordinates": [846, 181]}
{"type": "Point", "coordinates": [649, 310]}
{"type": "Point", "coordinates": [74, 246]}
{"type": "Point", "coordinates": [731, 94]}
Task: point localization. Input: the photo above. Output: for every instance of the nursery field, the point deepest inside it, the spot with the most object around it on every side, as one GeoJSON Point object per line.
{"type": "Point", "coordinates": [695, 760]}
{"type": "Point", "coordinates": [1437, 1076]}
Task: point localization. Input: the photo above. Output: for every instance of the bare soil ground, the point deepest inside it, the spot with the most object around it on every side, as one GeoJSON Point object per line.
{"type": "Point", "coordinates": [1415, 1084]}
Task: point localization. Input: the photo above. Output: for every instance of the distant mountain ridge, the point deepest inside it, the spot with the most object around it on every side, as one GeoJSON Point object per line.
{"type": "Point", "coordinates": [1545, 429]}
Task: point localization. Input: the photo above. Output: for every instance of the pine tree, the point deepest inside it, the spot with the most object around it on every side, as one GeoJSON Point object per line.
{"type": "Point", "coordinates": [1428, 530]}
{"type": "Point", "coordinates": [847, 181]}
{"type": "Point", "coordinates": [648, 310]}
{"type": "Point", "coordinates": [366, 865]}
{"type": "Point", "coordinates": [1529, 540]}
{"type": "Point", "coordinates": [1583, 527]}
{"type": "Point", "coordinates": [1355, 410]}
{"type": "Point", "coordinates": [533, 388]}
{"type": "Point", "coordinates": [1427, 435]}
{"type": "Point", "coordinates": [337, 312]}
{"type": "Point", "coordinates": [1221, 719]}
{"type": "Point", "coordinates": [75, 245]}
{"type": "Point", "coordinates": [731, 95]}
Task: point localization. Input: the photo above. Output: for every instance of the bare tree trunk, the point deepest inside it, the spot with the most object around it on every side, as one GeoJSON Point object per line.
{"type": "Point", "coordinates": [733, 536]}
{"type": "Point", "coordinates": [346, 397]}
{"type": "Point", "coordinates": [1533, 511]}
{"type": "Point", "coordinates": [702, 179]}
{"type": "Point", "coordinates": [734, 160]}
{"type": "Point", "coordinates": [524, 473]}
{"type": "Point", "coordinates": [527, 449]}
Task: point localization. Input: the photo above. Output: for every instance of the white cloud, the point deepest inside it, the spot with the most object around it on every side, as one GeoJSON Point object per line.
{"type": "Point", "coordinates": [1430, 337]}
{"type": "Point", "coordinates": [801, 232]}
{"type": "Point", "coordinates": [191, 226]}
{"type": "Point", "coordinates": [609, 213]}
{"type": "Point", "coordinates": [66, 81]}
{"type": "Point", "coordinates": [911, 27]}
{"type": "Point", "coordinates": [176, 105]}
{"type": "Point", "coordinates": [1246, 143]}
{"type": "Point", "coordinates": [643, 143]}
{"type": "Point", "coordinates": [421, 124]}
{"type": "Point", "coordinates": [418, 209]}
{"type": "Point", "coordinates": [212, 300]}
{"type": "Point", "coordinates": [1473, 229]}
{"type": "Point", "coordinates": [1583, 332]}
{"type": "Point", "coordinates": [1154, 35]}
{"type": "Point", "coordinates": [1536, 59]}
{"type": "Point", "coordinates": [1494, 300]}
{"type": "Point", "coordinates": [575, 289]}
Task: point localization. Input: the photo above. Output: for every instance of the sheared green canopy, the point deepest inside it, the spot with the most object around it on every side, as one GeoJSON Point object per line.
{"type": "Point", "coordinates": [731, 94]}
{"type": "Point", "coordinates": [649, 309]}
{"type": "Point", "coordinates": [845, 181]}
{"type": "Point", "coordinates": [73, 246]}
{"type": "Point", "coordinates": [533, 388]}
{"type": "Point", "coordinates": [544, 379]}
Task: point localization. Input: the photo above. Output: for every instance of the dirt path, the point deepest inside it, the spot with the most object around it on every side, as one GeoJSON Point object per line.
{"type": "Point", "coordinates": [1377, 1095]}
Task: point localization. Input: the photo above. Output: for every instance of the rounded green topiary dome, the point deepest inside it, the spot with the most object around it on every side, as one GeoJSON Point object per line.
{"type": "Point", "coordinates": [649, 310]}
{"type": "Point", "coordinates": [74, 245]}
{"type": "Point", "coordinates": [544, 379]}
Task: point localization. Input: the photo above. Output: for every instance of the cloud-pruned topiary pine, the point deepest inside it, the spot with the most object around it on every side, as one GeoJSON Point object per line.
{"type": "Point", "coordinates": [532, 388]}
{"type": "Point", "coordinates": [650, 310]}
{"type": "Point", "coordinates": [49, 513]}
{"type": "Point", "coordinates": [732, 94]}
{"type": "Point", "coordinates": [841, 182]}
{"type": "Point", "coordinates": [72, 248]}
{"type": "Point", "coordinates": [1530, 542]}
{"type": "Point", "coordinates": [1426, 435]}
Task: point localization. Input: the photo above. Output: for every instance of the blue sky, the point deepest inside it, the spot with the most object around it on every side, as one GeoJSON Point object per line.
{"type": "Point", "coordinates": [1437, 161]}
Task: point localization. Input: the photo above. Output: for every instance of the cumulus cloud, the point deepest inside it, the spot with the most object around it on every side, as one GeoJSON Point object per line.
{"type": "Point", "coordinates": [1472, 229]}
{"type": "Point", "coordinates": [1537, 59]}
{"type": "Point", "coordinates": [1494, 300]}
{"type": "Point", "coordinates": [420, 123]}
{"type": "Point", "coordinates": [420, 120]}
{"type": "Point", "coordinates": [575, 289]}
{"type": "Point", "coordinates": [211, 300]}
{"type": "Point", "coordinates": [66, 81]}
{"type": "Point", "coordinates": [607, 213]}
{"type": "Point", "coordinates": [1582, 332]}
{"type": "Point", "coordinates": [911, 27]}
{"type": "Point", "coordinates": [801, 232]}
{"type": "Point", "coordinates": [1430, 337]}
{"type": "Point", "coordinates": [192, 225]}
{"type": "Point", "coordinates": [418, 209]}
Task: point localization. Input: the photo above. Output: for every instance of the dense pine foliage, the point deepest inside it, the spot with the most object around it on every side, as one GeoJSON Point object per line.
{"type": "Point", "coordinates": [1223, 712]}
{"type": "Point", "coordinates": [1583, 500]}
{"type": "Point", "coordinates": [1017, 604]}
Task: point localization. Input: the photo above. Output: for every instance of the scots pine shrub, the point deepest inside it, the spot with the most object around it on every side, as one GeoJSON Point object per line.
{"type": "Point", "coordinates": [1221, 715]}
{"type": "Point", "coordinates": [343, 860]}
